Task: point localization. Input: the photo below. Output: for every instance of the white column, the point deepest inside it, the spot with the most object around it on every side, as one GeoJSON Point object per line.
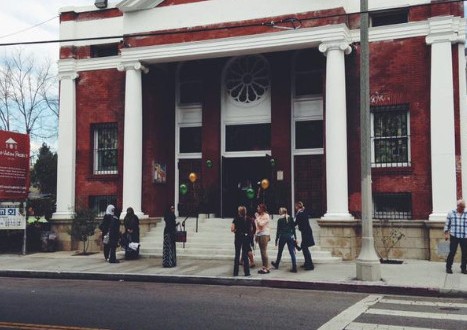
{"type": "Point", "coordinates": [133, 138]}
{"type": "Point", "coordinates": [463, 115]}
{"type": "Point", "coordinates": [66, 142]}
{"type": "Point", "coordinates": [443, 158]}
{"type": "Point", "coordinates": [336, 132]}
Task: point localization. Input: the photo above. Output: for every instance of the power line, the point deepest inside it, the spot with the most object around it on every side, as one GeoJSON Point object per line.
{"type": "Point", "coordinates": [272, 24]}
{"type": "Point", "coordinates": [28, 28]}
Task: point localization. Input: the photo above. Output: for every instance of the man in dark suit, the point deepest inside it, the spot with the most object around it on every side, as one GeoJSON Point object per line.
{"type": "Point", "coordinates": [303, 223]}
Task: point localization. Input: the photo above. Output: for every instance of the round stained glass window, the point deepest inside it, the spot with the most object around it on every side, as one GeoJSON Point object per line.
{"type": "Point", "coordinates": [248, 79]}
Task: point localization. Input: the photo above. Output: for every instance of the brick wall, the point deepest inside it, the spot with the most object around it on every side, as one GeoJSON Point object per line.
{"type": "Point", "coordinates": [99, 96]}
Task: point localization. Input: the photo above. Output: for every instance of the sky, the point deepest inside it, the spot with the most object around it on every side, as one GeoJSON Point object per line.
{"type": "Point", "coordinates": [33, 20]}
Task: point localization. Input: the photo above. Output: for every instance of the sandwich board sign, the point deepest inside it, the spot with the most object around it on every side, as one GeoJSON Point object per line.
{"type": "Point", "coordinates": [14, 166]}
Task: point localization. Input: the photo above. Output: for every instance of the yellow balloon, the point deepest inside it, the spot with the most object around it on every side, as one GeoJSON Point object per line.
{"type": "Point", "coordinates": [265, 184]}
{"type": "Point", "coordinates": [193, 177]}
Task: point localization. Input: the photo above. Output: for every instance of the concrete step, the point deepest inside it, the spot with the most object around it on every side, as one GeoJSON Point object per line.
{"type": "Point", "coordinates": [215, 241]}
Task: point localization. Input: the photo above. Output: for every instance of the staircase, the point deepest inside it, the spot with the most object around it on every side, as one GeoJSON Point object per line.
{"type": "Point", "coordinates": [215, 241]}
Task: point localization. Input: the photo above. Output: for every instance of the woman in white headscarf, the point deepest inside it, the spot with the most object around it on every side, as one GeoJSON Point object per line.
{"type": "Point", "coordinates": [104, 228]}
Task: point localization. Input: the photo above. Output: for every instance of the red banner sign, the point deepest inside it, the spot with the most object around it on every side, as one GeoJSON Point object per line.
{"type": "Point", "coordinates": [14, 166]}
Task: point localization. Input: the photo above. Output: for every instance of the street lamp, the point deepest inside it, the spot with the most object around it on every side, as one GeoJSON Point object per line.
{"type": "Point", "coordinates": [368, 264]}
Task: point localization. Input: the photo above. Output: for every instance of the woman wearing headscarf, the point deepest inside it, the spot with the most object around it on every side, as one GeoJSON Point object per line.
{"type": "Point", "coordinates": [169, 253]}
{"type": "Point", "coordinates": [114, 237]}
{"type": "Point", "coordinates": [104, 228]}
{"type": "Point", "coordinates": [131, 236]}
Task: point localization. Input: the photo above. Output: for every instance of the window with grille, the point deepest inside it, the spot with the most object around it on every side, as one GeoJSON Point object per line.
{"type": "Point", "coordinates": [390, 136]}
{"type": "Point", "coordinates": [105, 148]}
{"type": "Point", "coordinates": [392, 206]}
{"type": "Point", "coordinates": [99, 203]}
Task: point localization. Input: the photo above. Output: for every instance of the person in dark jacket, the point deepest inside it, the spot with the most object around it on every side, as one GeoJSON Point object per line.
{"type": "Point", "coordinates": [114, 237]}
{"type": "Point", "coordinates": [169, 252]}
{"type": "Point", "coordinates": [285, 234]}
{"type": "Point", "coordinates": [131, 235]}
{"type": "Point", "coordinates": [244, 229]}
{"type": "Point", "coordinates": [303, 223]}
{"type": "Point", "coordinates": [104, 228]}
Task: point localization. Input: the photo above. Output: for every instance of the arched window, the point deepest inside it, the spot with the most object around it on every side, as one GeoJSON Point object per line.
{"type": "Point", "coordinates": [247, 79]}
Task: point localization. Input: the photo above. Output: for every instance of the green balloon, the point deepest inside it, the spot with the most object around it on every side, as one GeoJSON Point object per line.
{"type": "Point", "coordinates": [250, 193]}
{"type": "Point", "coordinates": [183, 189]}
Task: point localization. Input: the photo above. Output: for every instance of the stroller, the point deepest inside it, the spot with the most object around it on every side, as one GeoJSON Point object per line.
{"type": "Point", "coordinates": [131, 248]}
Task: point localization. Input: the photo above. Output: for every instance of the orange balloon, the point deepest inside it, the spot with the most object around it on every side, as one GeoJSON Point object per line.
{"type": "Point", "coordinates": [193, 177]}
{"type": "Point", "coordinates": [265, 184]}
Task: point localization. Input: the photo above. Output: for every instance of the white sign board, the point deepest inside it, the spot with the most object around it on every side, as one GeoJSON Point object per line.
{"type": "Point", "coordinates": [11, 218]}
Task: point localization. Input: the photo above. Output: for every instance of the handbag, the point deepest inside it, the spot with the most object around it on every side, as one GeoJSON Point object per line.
{"type": "Point", "coordinates": [106, 239]}
{"type": "Point", "coordinates": [180, 236]}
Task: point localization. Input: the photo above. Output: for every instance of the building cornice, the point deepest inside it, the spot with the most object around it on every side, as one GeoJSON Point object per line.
{"type": "Point", "coordinates": [445, 29]}
{"type": "Point", "coordinates": [277, 41]}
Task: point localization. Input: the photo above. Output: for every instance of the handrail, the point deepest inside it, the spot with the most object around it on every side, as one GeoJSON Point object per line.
{"type": "Point", "coordinates": [183, 222]}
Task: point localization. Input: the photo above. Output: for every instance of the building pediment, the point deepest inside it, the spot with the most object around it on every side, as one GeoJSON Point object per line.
{"type": "Point", "coordinates": [135, 5]}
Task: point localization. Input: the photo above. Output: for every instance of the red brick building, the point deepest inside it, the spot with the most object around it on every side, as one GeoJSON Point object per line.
{"type": "Point", "coordinates": [238, 92]}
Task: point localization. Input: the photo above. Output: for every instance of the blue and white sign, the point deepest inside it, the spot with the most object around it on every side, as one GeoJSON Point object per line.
{"type": "Point", "coordinates": [11, 218]}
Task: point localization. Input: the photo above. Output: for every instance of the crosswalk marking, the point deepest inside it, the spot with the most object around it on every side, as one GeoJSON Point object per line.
{"type": "Point", "coordinates": [371, 326]}
{"type": "Point", "coordinates": [369, 306]}
{"type": "Point", "coordinates": [399, 313]}
{"type": "Point", "coordinates": [422, 303]}
{"type": "Point", "coordinates": [351, 313]}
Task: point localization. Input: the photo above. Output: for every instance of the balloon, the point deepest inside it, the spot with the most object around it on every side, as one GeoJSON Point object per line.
{"type": "Point", "coordinates": [209, 163]}
{"type": "Point", "coordinates": [192, 177]}
{"type": "Point", "coordinates": [265, 184]}
{"type": "Point", "coordinates": [183, 189]}
{"type": "Point", "coordinates": [250, 193]}
{"type": "Point", "coordinates": [273, 162]}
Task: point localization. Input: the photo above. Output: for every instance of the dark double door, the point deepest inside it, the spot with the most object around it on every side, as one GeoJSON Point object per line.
{"type": "Point", "coordinates": [240, 174]}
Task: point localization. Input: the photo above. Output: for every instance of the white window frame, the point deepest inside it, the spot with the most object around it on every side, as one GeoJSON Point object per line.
{"type": "Point", "coordinates": [408, 163]}
{"type": "Point", "coordinates": [96, 130]}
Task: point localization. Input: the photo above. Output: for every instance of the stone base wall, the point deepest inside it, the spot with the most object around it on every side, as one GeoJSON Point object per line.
{"type": "Point", "coordinates": [66, 243]}
{"type": "Point", "coordinates": [420, 239]}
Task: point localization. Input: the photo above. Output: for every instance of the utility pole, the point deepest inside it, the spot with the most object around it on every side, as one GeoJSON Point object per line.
{"type": "Point", "coordinates": [368, 264]}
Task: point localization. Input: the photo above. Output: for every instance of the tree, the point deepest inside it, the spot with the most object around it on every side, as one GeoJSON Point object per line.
{"type": "Point", "coordinates": [83, 226]}
{"type": "Point", "coordinates": [44, 172]}
{"type": "Point", "coordinates": [28, 95]}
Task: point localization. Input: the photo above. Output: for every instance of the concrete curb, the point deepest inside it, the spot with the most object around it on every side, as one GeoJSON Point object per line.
{"type": "Point", "coordinates": [354, 286]}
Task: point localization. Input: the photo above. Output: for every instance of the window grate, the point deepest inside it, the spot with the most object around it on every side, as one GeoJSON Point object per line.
{"type": "Point", "coordinates": [392, 206]}
{"type": "Point", "coordinates": [105, 148]}
{"type": "Point", "coordinates": [390, 140]}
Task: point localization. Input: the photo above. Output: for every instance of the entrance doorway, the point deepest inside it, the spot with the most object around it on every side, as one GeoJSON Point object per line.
{"type": "Point", "coordinates": [239, 174]}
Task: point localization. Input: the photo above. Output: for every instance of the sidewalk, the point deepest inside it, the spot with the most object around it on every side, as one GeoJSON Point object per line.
{"type": "Point", "coordinates": [413, 277]}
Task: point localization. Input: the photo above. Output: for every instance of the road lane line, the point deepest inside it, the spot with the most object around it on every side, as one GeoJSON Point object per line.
{"type": "Point", "coordinates": [28, 326]}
